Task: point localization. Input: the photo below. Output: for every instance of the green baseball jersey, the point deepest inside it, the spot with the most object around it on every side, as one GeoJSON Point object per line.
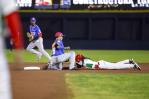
{"type": "Point", "coordinates": [88, 63]}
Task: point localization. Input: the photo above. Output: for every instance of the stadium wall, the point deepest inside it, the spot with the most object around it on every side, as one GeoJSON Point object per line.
{"type": "Point", "coordinates": [93, 30]}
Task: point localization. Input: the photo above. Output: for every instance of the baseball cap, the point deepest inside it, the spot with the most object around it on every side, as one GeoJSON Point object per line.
{"type": "Point", "coordinates": [57, 34]}
{"type": "Point", "coordinates": [33, 19]}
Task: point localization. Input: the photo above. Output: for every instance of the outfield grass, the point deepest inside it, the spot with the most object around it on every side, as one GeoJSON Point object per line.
{"type": "Point", "coordinates": [108, 86]}
{"type": "Point", "coordinates": [141, 56]}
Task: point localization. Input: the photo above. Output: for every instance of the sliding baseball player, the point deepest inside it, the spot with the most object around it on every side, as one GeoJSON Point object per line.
{"type": "Point", "coordinates": [82, 61]}
{"type": "Point", "coordinates": [36, 40]}
{"type": "Point", "coordinates": [58, 55]}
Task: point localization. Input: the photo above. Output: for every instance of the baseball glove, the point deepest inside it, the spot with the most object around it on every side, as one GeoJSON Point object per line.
{"type": "Point", "coordinates": [30, 36]}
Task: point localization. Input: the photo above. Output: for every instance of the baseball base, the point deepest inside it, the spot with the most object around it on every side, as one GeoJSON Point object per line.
{"type": "Point", "coordinates": [32, 68]}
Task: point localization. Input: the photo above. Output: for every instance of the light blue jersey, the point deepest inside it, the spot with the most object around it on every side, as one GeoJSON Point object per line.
{"type": "Point", "coordinates": [35, 30]}
{"type": "Point", "coordinates": [59, 50]}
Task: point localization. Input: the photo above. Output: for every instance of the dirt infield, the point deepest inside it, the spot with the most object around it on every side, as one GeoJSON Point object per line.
{"type": "Point", "coordinates": [50, 84]}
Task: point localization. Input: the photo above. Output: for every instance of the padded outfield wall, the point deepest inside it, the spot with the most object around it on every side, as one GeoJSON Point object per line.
{"type": "Point", "coordinates": [124, 30]}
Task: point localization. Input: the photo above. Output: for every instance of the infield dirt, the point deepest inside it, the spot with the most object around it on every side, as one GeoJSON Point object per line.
{"type": "Point", "coordinates": [50, 84]}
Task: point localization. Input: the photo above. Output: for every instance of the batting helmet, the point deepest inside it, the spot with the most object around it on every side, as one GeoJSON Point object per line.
{"type": "Point", "coordinates": [79, 57]}
{"type": "Point", "coordinates": [58, 34]}
{"type": "Point", "coordinates": [33, 19]}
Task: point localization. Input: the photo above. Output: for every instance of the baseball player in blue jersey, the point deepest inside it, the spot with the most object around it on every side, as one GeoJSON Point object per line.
{"type": "Point", "coordinates": [58, 55]}
{"type": "Point", "coordinates": [36, 40]}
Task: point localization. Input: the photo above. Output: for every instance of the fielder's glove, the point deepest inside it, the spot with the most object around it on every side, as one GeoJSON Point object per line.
{"type": "Point", "coordinates": [30, 36]}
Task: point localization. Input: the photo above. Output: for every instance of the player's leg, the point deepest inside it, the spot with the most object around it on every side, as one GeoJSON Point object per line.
{"type": "Point", "coordinates": [60, 66]}
{"type": "Point", "coordinates": [30, 49]}
{"type": "Point", "coordinates": [72, 60]}
{"type": "Point", "coordinates": [108, 65]}
{"type": "Point", "coordinates": [55, 64]}
{"type": "Point", "coordinates": [68, 56]}
{"type": "Point", "coordinates": [5, 90]}
{"type": "Point", "coordinates": [127, 61]}
{"type": "Point", "coordinates": [39, 44]}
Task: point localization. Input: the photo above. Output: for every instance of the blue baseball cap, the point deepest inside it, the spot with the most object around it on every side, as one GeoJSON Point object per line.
{"type": "Point", "coordinates": [33, 19]}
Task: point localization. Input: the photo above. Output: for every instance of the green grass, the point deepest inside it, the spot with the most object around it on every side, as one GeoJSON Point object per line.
{"type": "Point", "coordinates": [108, 86]}
{"type": "Point", "coordinates": [141, 56]}
{"type": "Point", "coordinates": [27, 56]}
{"type": "Point", "coordinates": [99, 85]}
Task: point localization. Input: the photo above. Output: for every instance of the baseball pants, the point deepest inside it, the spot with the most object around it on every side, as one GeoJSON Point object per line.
{"type": "Point", "coordinates": [5, 90]}
{"type": "Point", "coordinates": [119, 65]}
{"type": "Point", "coordinates": [39, 44]}
{"type": "Point", "coordinates": [58, 60]}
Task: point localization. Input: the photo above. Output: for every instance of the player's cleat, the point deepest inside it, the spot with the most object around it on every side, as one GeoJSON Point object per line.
{"type": "Point", "coordinates": [74, 68]}
{"type": "Point", "coordinates": [131, 61]}
{"type": "Point", "coordinates": [49, 64]}
{"type": "Point", "coordinates": [38, 57]}
{"type": "Point", "coordinates": [53, 68]}
{"type": "Point", "coordinates": [136, 66]}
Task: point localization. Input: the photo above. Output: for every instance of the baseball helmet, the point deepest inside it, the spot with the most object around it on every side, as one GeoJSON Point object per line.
{"type": "Point", "coordinates": [79, 57]}
{"type": "Point", "coordinates": [33, 19]}
{"type": "Point", "coordinates": [58, 34]}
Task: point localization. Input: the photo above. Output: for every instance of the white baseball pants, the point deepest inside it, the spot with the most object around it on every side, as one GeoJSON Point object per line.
{"type": "Point", "coordinates": [5, 90]}
{"type": "Point", "coordinates": [119, 65]}
{"type": "Point", "coordinates": [39, 44]}
{"type": "Point", "coordinates": [58, 60]}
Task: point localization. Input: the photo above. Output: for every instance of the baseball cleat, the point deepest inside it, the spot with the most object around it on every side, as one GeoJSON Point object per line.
{"type": "Point", "coordinates": [74, 68]}
{"type": "Point", "coordinates": [131, 61]}
{"type": "Point", "coordinates": [49, 64]}
{"type": "Point", "coordinates": [53, 68]}
{"type": "Point", "coordinates": [136, 66]}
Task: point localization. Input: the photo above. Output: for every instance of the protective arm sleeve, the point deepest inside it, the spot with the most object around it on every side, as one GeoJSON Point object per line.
{"type": "Point", "coordinates": [13, 22]}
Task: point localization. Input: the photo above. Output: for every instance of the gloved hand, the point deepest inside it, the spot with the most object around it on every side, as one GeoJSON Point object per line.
{"type": "Point", "coordinates": [30, 36]}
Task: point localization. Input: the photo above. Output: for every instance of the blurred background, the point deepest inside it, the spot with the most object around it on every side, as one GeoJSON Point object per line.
{"type": "Point", "coordinates": [90, 24]}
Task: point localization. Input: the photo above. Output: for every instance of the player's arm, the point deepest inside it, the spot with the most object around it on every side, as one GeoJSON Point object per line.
{"type": "Point", "coordinates": [39, 32]}
{"type": "Point", "coordinates": [13, 22]}
{"type": "Point", "coordinates": [53, 45]}
{"type": "Point", "coordinates": [9, 10]}
{"type": "Point", "coordinates": [58, 46]}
